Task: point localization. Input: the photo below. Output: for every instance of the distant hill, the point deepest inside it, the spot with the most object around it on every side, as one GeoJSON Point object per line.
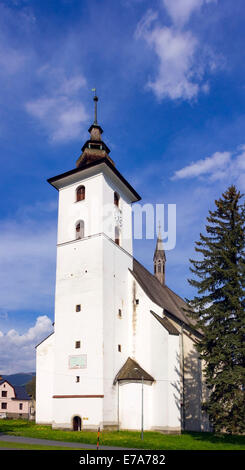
{"type": "Point", "coordinates": [19, 379]}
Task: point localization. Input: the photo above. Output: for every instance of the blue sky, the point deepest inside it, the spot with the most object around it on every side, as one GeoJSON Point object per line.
{"type": "Point", "coordinates": [170, 76]}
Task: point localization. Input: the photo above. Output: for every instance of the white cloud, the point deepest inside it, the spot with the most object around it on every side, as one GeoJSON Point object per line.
{"type": "Point", "coordinates": [181, 65]}
{"type": "Point", "coordinates": [61, 117]}
{"type": "Point", "coordinates": [60, 110]}
{"type": "Point", "coordinates": [17, 351]}
{"type": "Point", "coordinates": [209, 165]}
{"type": "Point", "coordinates": [176, 55]}
{"type": "Point", "coordinates": [221, 166]}
{"type": "Point", "coordinates": [181, 10]}
{"type": "Point", "coordinates": [182, 61]}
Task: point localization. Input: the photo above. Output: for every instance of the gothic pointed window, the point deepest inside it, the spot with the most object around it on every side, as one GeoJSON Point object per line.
{"type": "Point", "coordinates": [117, 235]}
{"type": "Point", "coordinates": [80, 193]}
{"type": "Point", "coordinates": [159, 266]}
{"type": "Point", "coordinates": [79, 229]}
{"type": "Point", "coordinates": [116, 199]}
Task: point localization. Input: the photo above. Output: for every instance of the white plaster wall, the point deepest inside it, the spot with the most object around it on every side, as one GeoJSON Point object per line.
{"type": "Point", "coordinates": [115, 296]}
{"type": "Point", "coordinates": [44, 380]}
{"type": "Point", "coordinates": [130, 406]}
{"type": "Point", "coordinates": [89, 210]}
{"type": "Point", "coordinates": [66, 408]}
{"type": "Point", "coordinates": [157, 352]}
{"type": "Point", "coordinates": [97, 209]}
{"type": "Point", "coordinates": [79, 282]}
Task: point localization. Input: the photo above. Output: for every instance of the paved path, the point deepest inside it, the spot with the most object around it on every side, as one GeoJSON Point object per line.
{"type": "Point", "coordinates": [46, 442]}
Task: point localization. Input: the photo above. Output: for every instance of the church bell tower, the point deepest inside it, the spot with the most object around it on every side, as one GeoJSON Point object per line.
{"type": "Point", "coordinates": [94, 256]}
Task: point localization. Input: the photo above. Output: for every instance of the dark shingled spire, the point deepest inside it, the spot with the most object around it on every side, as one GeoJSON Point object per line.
{"type": "Point", "coordinates": [94, 148]}
{"type": "Point", "coordinates": [159, 259]}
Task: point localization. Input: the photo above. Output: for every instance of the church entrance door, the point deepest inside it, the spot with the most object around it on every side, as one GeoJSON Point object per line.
{"type": "Point", "coordinates": [77, 423]}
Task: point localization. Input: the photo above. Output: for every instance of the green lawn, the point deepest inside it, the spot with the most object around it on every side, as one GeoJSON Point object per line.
{"type": "Point", "coordinates": [130, 439]}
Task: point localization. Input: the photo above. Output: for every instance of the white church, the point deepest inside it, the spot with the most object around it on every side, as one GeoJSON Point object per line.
{"type": "Point", "coordinates": [122, 354]}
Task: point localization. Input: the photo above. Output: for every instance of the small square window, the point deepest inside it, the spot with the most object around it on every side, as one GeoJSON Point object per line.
{"type": "Point", "coordinates": [137, 301]}
{"type": "Point", "coordinates": [78, 308]}
{"type": "Point", "coordinates": [4, 393]}
{"type": "Point", "coordinates": [119, 348]}
{"type": "Point", "coordinates": [4, 406]}
{"type": "Point", "coordinates": [77, 378]}
{"type": "Point", "coordinates": [78, 344]}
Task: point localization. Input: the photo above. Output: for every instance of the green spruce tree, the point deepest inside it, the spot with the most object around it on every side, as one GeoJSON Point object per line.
{"type": "Point", "coordinates": [219, 310]}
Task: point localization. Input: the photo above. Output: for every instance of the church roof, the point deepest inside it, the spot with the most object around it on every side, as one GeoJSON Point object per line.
{"type": "Point", "coordinates": [55, 179]}
{"type": "Point", "coordinates": [166, 324]}
{"type": "Point", "coordinates": [131, 370]}
{"type": "Point", "coordinates": [160, 294]}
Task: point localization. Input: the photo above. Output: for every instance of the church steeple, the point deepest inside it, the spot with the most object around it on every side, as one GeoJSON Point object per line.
{"type": "Point", "coordinates": [159, 259]}
{"type": "Point", "coordinates": [94, 148]}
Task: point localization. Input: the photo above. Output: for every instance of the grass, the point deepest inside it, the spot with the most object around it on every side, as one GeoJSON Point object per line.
{"type": "Point", "coordinates": [128, 439]}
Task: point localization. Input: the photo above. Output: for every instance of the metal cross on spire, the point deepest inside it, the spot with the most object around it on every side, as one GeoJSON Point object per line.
{"type": "Point", "coordinates": [96, 99]}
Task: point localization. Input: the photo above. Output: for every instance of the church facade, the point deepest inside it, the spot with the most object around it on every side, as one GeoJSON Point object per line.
{"type": "Point", "coordinates": [122, 354]}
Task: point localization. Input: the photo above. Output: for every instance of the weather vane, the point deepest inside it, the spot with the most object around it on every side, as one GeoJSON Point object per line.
{"type": "Point", "coordinates": [96, 99]}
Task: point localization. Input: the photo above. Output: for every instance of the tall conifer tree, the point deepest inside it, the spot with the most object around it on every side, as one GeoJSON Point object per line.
{"type": "Point", "coordinates": [219, 310]}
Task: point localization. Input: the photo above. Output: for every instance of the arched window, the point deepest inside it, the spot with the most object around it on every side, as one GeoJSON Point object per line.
{"type": "Point", "coordinates": [80, 193]}
{"type": "Point", "coordinates": [117, 235]}
{"type": "Point", "coordinates": [79, 229]}
{"type": "Point", "coordinates": [159, 266]}
{"type": "Point", "coordinates": [116, 199]}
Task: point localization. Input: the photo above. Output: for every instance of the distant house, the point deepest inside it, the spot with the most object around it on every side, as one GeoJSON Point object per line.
{"type": "Point", "coordinates": [14, 401]}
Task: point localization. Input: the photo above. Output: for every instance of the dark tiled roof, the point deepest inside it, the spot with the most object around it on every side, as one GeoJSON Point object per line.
{"type": "Point", "coordinates": [131, 370]}
{"type": "Point", "coordinates": [166, 324]}
{"type": "Point", "coordinates": [105, 160]}
{"type": "Point", "coordinates": [159, 294]}
{"type": "Point", "coordinates": [21, 393]}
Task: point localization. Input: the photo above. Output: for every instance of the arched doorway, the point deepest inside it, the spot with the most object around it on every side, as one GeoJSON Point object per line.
{"type": "Point", "coordinates": [77, 423]}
